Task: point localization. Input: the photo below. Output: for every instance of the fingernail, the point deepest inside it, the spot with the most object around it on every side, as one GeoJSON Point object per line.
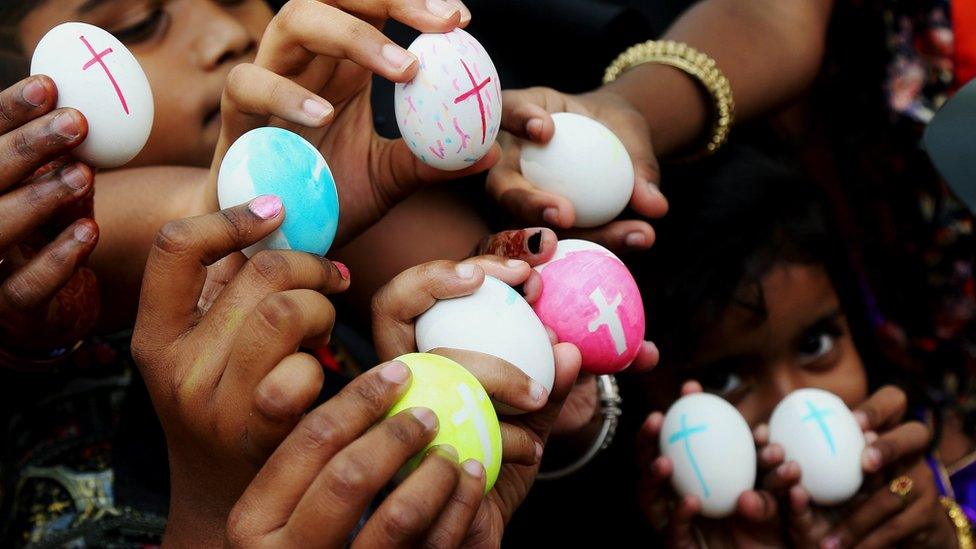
{"type": "Point", "coordinates": [534, 243]}
{"type": "Point", "coordinates": [398, 57]}
{"type": "Point", "coordinates": [426, 417]}
{"type": "Point", "coordinates": [265, 206]}
{"type": "Point", "coordinates": [536, 391]}
{"type": "Point", "coordinates": [861, 418]}
{"type": "Point", "coordinates": [473, 467]}
{"type": "Point", "coordinates": [551, 216]}
{"type": "Point", "coordinates": [465, 12]}
{"type": "Point", "coordinates": [343, 270]}
{"type": "Point", "coordinates": [315, 109]}
{"type": "Point", "coordinates": [34, 93]}
{"type": "Point", "coordinates": [74, 177]}
{"type": "Point", "coordinates": [871, 459]}
{"type": "Point", "coordinates": [636, 240]}
{"type": "Point", "coordinates": [833, 542]}
{"type": "Point", "coordinates": [465, 270]}
{"type": "Point", "coordinates": [538, 452]}
{"type": "Point", "coordinates": [534, 127]}
{"type": "Point", "coordinates": [84, 234]}
{"type": "Point", "coordinates": [447, 450]}
{"type": "Point", "coordinates": [441, 9]}
{"type": "Point", "coordinates": [530, 288]}
{"type": "Point", "coordinates": [395, 372]}
{"type": "Point", "coordinates": [768, 454]}
{"type": "Point", "coordinates": [654, 189]}
{"type": "Point", "coordinates": [514, 263]}
{"type": "Point", "coordinates": [65, 126]}
{"type": "Point", "coordinates": [783, 469]}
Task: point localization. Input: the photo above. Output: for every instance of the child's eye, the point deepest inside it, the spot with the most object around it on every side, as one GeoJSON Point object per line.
{"type": "Point", "coordinates": [144, 29]}
{"type": "Point", "coordinates": [721, 383]}
{"type": "Point", "coordinates": [815, 346]}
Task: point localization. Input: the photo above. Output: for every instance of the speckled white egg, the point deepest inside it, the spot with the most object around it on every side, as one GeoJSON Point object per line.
{"type": "Point", "coordinates": [99, 77]}
{"type": "Point", "coordinates": [712, 449]}
{"type": "Point", "coordinates": [450, 112]}
{"type": "Point", "coordinates": [585, 163]}
{"type": "Point", "coordinates": [819, 432]}
{"type": "Point", "coordinates": [494, 320]}
{"type": "Point", "coordinates": [279, 162]}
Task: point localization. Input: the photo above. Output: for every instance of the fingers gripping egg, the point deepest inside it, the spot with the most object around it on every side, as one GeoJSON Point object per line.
{"type": "Point", "coordinates": [591, 300]}
{"type": "Point", "coordinates": [97, 75]}
{"type": "Point", "coordinates": [494, 320]}
{"type": "Point", "coordinates": [450, 112]}
{"type": "Point", "coordinates": [712, 449]}
{"type": "Point", "coordinates": [465, 416]}
{"type": "Point", "coordinates": [282, 163]}
{"type": "Point", "coordinates": [819, 432]}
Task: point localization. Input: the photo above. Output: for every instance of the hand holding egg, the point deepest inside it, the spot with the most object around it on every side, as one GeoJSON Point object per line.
{"type": "Point", "coordinates": [96, 74]}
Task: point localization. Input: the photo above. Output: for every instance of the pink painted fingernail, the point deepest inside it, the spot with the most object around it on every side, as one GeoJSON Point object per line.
{"type": "Point", "coordinates": [473, 467]}
{"type": "Point", "coordinates": [395, 372]}
{"type": "Point", "coordinates": [398, 57]}
{"type": "Point", "coordinates": [343, 270]}
{"type": "Point", "coordinates": [315, 109]}
{"type": "Point", "coordinates": [426, 417]}
{"type": "Point", "coordinates": [34, 93]}
{"type": "Point", "coordinates": [265, 206]}
{"type": "Point", "coordinates": [83, 233]}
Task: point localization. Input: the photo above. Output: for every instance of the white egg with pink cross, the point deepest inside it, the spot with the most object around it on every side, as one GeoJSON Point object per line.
{"type": "Point", "coordinates": [449, 114]}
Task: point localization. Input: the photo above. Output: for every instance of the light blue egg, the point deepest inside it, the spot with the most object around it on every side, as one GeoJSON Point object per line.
{"type": "Point", "coordinates": [282, 163]}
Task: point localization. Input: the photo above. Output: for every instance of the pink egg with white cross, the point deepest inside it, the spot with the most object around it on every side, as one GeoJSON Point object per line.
{"type": "Point", "coordinates": [590, 299]}
{"type": "Point", "coordinates": [97, 75]}
{"type": "Point", "coordinates": [450, 112]}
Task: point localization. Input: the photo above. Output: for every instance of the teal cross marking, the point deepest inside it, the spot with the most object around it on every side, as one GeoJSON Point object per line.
{"type": "Point", "coordinates": [818, 415]}
{"type": "Point", "coordinates": [685, 435]}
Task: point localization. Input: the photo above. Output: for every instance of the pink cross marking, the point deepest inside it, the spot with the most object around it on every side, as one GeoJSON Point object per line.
{"type": "Point", "coordinates": [475, 91]}
{"type": "Point", "coordinates": [97, 58]}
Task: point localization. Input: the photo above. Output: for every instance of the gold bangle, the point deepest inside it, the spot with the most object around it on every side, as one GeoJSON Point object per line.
{"type": "Point", "coordinates": [694, 63]}
{"type": "Point", "coordinates": [964, 532]}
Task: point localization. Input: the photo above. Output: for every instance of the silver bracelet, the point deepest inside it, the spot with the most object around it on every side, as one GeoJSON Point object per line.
{"type": "Point", "coordinates": [609, 398]}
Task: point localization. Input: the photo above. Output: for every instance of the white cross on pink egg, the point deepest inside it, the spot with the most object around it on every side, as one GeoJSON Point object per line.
{"type": "Point", "coordinates": [450, 112]}
{"type": "Point", "coordinates": [591, 300]}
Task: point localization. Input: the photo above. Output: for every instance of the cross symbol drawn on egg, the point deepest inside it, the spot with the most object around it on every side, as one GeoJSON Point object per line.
{"type": "Point", "coordinates": [608, 316]}
{"type": "Point", "coordinates": [818, 415]}
{"type": "Point", "coordinates": [99, 59]}
{"type": "Point", "coordinates": [684, 434]}
{"type": "Point", "coordinates": [475, 91]}
{"type": "Point", "coordinates": [470, 413]}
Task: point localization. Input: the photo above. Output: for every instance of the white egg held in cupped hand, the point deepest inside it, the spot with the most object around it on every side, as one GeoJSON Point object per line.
{"type": "Point", "coordinates": [590, 299]}
{"type": "Point", "coordinates": [273, 161]}
{"type": "Point", "coordinates": [450, 112]}
{"type": "Point", "coordinates": [494, 320]}
{"type": "Point", "coordinates": [99, 77]}
{"type": "Point", "coordinates": [712, 449]}
{"type": "Point", "coordinates": [818, 431]}
{"type": "Point", "coordinates": [585, 163]}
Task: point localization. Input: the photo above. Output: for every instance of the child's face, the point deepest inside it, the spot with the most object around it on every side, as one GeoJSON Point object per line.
{"type": "Point", "coordinates": [804, 341]}
{"type": "Point", "coordinates": [186, 48]}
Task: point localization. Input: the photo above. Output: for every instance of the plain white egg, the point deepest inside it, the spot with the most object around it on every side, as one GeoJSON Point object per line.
{"type": "Point", "coordinates": [585, 163]}
{"type": "Point", "coordinates": [98, 75]}
{"type": "Point", "coordinates": [712, 449]}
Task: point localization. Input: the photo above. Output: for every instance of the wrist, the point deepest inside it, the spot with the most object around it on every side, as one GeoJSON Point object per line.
{"type": "Point", "coordinates": [200, 503]}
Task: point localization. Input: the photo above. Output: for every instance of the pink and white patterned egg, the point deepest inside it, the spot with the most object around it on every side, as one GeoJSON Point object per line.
{"type": "Point", "coordinates": [590, 299]}
{"type": "Point", "coordinates": [450, 112]}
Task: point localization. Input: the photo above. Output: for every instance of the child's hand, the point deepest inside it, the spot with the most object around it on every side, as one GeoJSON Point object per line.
{"type": "Point", "coordinates": [527, 116]}
{"type": "Point", "coordinates": [314, 488]}
{"type": "Point", "coordinates": [48, 300]}
{"type": "Point", "coordinates": [756, 520]}
{"type": "Point", "coordinates": [314, 68]}
{"type": "Point", "coordinates": [877, 516]}
{"type": "Point", "coordinates": [227, 382]}
{"type": "Point", "coordinates": [406, 297]}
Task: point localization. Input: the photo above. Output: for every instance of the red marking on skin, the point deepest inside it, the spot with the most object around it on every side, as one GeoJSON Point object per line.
{"type": "Point", "coordinates": [439, 151]}
{"type": "Point", "coordinates": [476, 91]}
{"type": "Point", "coordinates": [98, 59]}
{"type": "Point", "coordinates": [460, 132]}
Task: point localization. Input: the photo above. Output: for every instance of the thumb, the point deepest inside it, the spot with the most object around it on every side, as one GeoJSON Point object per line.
{"type": "Point", "coordinates": [400, 173]}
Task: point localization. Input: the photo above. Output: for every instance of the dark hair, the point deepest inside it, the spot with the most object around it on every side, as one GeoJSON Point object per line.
{"type": "Point", "coordinates": [732, 219]}
{"type": "Point", "coordinates": [14, 63]}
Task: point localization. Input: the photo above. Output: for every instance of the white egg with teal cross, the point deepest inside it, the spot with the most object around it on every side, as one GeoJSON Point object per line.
{"type": "Point", "coordinates": [274, 161]}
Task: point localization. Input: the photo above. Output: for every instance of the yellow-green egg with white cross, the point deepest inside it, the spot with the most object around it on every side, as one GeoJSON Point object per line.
{"type": "Point", "coordinates": [466, 417]}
